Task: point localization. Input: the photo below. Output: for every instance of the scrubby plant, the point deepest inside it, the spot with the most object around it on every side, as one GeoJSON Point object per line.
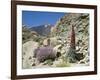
{"type": "Point", "coordinates": [44, 53]}
{"type": "Point", "coordinates": [71, 56]}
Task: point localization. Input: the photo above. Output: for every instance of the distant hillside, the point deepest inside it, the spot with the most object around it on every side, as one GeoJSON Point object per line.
{"type": "Point", "coordinates": [42, 30]}
{"type": "Point", "coordinates": [28, 34]}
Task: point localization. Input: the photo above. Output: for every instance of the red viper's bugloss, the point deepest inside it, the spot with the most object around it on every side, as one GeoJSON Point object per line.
{"type": "Point", "coordinates": [72, 43]}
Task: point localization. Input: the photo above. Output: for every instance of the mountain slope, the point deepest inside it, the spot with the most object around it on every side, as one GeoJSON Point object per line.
{"type": "Point", "coordinates": [28, 35]}
{"type": "Point", "coordinates": [80, 21]}
{"type": "Point", "coordinates": [42, 30]}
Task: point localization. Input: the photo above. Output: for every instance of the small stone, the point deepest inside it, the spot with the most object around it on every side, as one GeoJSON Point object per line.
{"type": "Point", "coordinates": [33, 64]}
{"type": "Point", "coordinates": [63, 51]}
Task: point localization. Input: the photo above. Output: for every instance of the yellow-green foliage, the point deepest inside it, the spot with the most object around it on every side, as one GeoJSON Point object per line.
{"type": "Point", "coordinates": [63, 64]}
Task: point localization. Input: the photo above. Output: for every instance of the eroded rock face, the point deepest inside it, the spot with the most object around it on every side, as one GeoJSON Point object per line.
{"type": "Point", "coordinates": [50, 41]}
{"type": "Point", "coordinates": [28, 49]}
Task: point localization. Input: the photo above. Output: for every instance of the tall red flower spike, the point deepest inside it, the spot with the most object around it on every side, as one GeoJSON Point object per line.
{"type": "Point", "coordinates": [72, 44]}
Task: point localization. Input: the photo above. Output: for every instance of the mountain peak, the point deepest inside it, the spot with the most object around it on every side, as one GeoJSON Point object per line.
{"type": "Point", "coordinates": [42, 30]}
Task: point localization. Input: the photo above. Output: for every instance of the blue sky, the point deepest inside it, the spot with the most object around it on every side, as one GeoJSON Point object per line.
{"type": "Point", "coordinates": [36, 18]}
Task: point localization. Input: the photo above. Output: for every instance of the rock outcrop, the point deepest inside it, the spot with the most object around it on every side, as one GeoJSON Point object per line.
{"type": "Point", "coordinates": [28, 53]}
{"type": "Point", "coordinates": [80, 22]}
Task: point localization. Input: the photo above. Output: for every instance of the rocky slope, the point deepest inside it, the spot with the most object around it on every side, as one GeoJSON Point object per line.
{"type": "Point", "coordinates": [81, 26]}
{"type": "Point", "coordinates": [55, 49]}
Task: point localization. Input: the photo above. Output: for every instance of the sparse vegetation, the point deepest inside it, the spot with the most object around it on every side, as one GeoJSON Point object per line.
{"type": "Point", "coordinates": [69, 37]}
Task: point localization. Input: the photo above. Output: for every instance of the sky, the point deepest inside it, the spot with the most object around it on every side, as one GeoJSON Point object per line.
{"type": "Point", "coordinates": [36, 18]}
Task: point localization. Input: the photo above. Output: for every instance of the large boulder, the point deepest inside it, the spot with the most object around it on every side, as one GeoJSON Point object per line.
{"type": "Point", "coordinates": [50, 41]}
{"type": "Point", "coordinates": [28, 50]}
